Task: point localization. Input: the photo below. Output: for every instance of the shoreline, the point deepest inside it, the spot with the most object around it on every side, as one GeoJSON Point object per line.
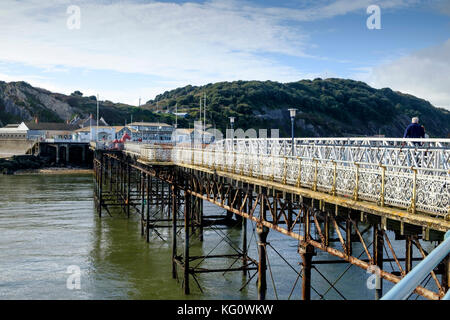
{"type": "Point", "coordinates": [53, 170]}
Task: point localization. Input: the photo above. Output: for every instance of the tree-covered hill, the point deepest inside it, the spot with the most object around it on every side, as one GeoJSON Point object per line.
{"type": "Point", "coordinates": [330, 107]}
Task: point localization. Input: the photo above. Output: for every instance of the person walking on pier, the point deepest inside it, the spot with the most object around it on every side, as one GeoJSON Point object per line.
{"type": "Point", "coordinates": [414, 130]}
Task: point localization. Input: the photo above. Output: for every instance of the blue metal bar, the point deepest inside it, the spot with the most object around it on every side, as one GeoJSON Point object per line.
{"type": "Point", "coordinates": [406, 286]}
{"type": "Point", "coordinates": [447, 296]}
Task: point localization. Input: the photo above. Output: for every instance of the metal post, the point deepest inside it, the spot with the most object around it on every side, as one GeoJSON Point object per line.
{"type": "Point", "coordinates": [292, 135]}
{"type": "Point", "coordinates": [200, 218]}
{"type": "Point", "coordinates": [306, 252]}
{"type": "Point", "coordinates": [100, 187]}
{"type": "Point", "coordinates": [187, 214]}
{"type": "Point", "coordinates": [292, 113]}
{"type": "Point", "coordinates": [289, 222]}
{"type": "Point", "coordinates": [229, 216]}
{"type": "Point", "coordinates": [128, 189]}
{"type": "Point", "coordinates": [174, 229]}
{"type": "Point", "coordinates": [348, 235]}
{"type": "Point", "coordinates": [142, 201]}
{"type": "Point", "coordinates": [244, 231]}
{"type": "Point", "coordinates": [193, 211]}
{"type": "Point", "coordinates": [262, 232]}
{"type": "Point", "coordinates": [169, 201]}
{"type": "Point", "coordinates": [238, 205]}
{"type": "Point", "coordinates": [147, 222]}
{"type": "Point", "coordinates": [408, 254]}
{"type": "Point", "coordinates": [378, 243]}
{"type": "Point", "coordinates": [110, 162]}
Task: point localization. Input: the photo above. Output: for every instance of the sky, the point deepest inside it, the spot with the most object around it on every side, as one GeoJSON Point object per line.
{"type": "Point", "coordinates": [127, 50]}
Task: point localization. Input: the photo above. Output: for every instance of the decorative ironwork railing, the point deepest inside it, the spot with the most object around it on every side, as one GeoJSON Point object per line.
{"type": "Point", "coordinates": [426, 153]}
{"type": "Point", "coordinates": [389, 172]}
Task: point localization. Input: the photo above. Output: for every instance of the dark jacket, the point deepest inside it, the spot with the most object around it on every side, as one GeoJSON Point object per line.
{"type": "Point", "coordinates": [414, 130]}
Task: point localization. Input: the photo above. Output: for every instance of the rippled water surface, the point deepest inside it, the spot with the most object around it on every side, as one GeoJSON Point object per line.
{"type": "Point", "coordinates": [48, 222]}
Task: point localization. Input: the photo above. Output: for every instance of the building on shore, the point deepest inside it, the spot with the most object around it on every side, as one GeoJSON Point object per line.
{"type": "Point", "coordinates": [105, 133]}
{"type": "Point", "coordinates": [156, 132]}
{"type": "Point", "coordinates": [86, 130]}
{"type": "Point", "coordinates": [48, 131]}
{"type": "Point", "coordinates": [88, 122]}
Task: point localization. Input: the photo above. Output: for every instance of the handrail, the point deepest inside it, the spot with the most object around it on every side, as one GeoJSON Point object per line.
{"type": "Point", "coordinates": [406, 286]}
{"type": "Point", "coordinates": [410, 187]}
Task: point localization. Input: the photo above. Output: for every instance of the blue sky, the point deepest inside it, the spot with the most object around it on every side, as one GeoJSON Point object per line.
{"type": "Point", "coordinates": [130, 49]}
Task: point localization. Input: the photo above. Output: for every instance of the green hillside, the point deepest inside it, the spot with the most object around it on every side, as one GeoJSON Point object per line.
{"type": "Point", "coordinates": [330, 107]}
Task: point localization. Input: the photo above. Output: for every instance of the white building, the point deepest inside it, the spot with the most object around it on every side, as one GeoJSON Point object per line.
{"type": "Point", "coordinates": [105, 133]}
{"type": "Point", "coordinates": [57, 132]}
{"type": "Point", "coordinates": [156, 132]}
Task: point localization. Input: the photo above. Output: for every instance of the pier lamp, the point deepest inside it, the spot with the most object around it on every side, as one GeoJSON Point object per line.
{"type": "Point", "coordinates": [292, 115]}
{"type": "Point", "coordinates": [232, 130]}
{"type": "Point", "coordinates": [232, 122]}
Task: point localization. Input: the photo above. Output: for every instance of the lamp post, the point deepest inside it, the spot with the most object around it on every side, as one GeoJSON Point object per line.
{"type": "Point", "coordinates": [292, 114]}
{"type": "Point", "coordinates": [232, 130]}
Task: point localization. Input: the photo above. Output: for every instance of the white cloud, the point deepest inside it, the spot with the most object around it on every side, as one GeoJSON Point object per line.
{"type": "Point", "coordinates": [184, 41]}
{"type": "Point", "coordinates": [425, 74]}
{"type": "Point", "coordinates": [188, 43]}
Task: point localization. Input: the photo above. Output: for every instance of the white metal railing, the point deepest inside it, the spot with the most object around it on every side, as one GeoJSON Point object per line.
{"type": "Point", "coordinates": [379, 177]}
{"type": "Point", "coordinates": [426, 153]}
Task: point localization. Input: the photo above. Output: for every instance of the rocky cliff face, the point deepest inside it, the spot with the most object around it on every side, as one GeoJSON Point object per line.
{"type": "Point", "coordinates": [21, 102]}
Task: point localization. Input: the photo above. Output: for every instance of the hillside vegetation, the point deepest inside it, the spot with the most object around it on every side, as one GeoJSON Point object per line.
{"type": "Point", "coordinates": [329, 107]}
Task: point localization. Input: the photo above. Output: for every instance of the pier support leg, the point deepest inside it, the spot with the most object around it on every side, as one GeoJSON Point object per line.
{"type": "Point", "coordinates": [200, 219]}
{"type": "Point", "coordinates": [174, 229]}
{"type": "Point", "coordinates": [142, 202]}
{"type": "Point", "coordinates": [128, 189]}
{"type": "Point", "coordinates": [100, 196]}
{"type": "Point", "coordinates": [229, 216]}
{"type": "Point", "coordinates": [306, 252]}
{"type": "Point", "coordinates": [238, 205]}
{"type": "Point", "coordinates": [262, 232]}
{"type": "Point", "coordinates": [348, 235]}
{"type": "Point", "coordinates": [408, 254]}
{"type": "Point", "coordinates": [147, 221]}
{"type": "Point", "coordinates": [244, 233]}
{"type": "Point", "coordinates": [378, 243]}
{"type": "Point", "coordinates": [326, 230]}
{"type": "Point", "coordinates": [187, 218]}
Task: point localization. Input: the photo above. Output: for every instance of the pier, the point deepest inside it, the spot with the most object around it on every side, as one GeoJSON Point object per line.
{"type": "Point", "coordinates": [318, 191]}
